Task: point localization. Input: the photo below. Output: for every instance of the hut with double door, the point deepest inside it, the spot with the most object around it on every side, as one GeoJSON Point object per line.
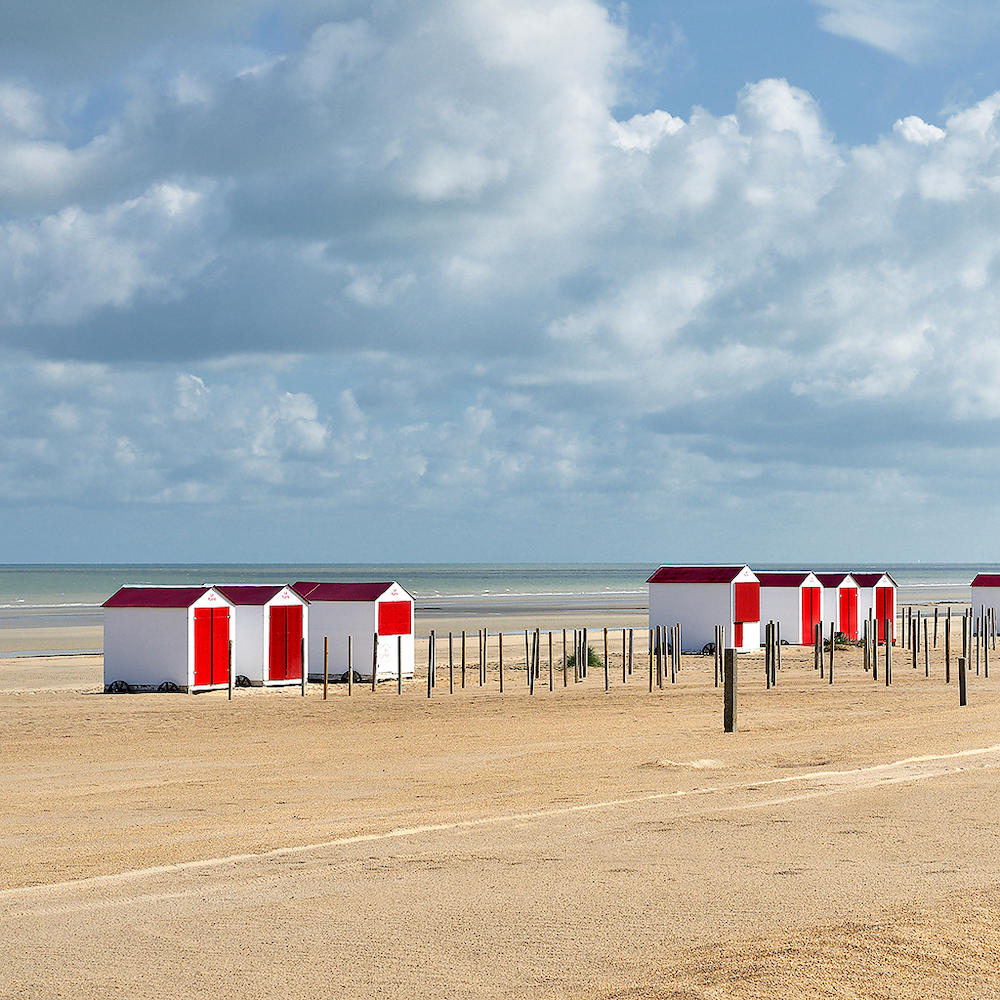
{"type": "Point", "coordinates": [840, 602]}
{"type": "Point", "coordinates": [701, 597]}
{"type": "Point", "coordinates": [794, 601]}
{"type": "Point", "coordinates": [379, 618]}
{"type": "Point", "coordinates": [165, 637]}
{"type": "Point", "coordinates": [269, 624]}
{"type": "Point", "coordinates": [877, 599]}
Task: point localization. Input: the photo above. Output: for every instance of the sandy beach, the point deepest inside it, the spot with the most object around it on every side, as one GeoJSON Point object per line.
{"type": "Point", "coordinates": [571, 843]}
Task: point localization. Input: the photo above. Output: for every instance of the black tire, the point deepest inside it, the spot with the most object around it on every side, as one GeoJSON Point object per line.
{"type": "Point", "coordinates": [708, 649]}
{"type": "Point", "coordinates": [118, 687]}
{"type": "Point", "coordinates": [167, 686]}
{"type": "Point", "coordinates": [242, 681]}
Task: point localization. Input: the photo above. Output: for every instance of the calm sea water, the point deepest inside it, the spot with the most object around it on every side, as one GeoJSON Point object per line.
{"type": "Point", "coordinates": [71, 587]}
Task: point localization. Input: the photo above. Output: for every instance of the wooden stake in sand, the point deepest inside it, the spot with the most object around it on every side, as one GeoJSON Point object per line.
{"type": "Point", "coordinates": [500, 641]}
{"type": "Point", "coordinates": [375, 658]}
{"type": "Point", "coordinates": [451, 664]}
{"type": "Point", "coordinates": [565, 662]}
{"type": "Point", "coordinates": [350, 665]}
{"type": "Point", "coordinates": [935, 625]}
{"type": "Point", "coordinates": [947, 648]}
{"type": "Point", "coordinates": [729, 695]}
{"type": "Point", "coordinates": [607, 673]}
{"type": "Point", "coordinates": [326, 665]}
{"type": "Point", "coordinates": [463, 658]}
{"type": "Point", "coordinates": [963, 697]}
{"type": "Point", "coordinates": [399, 664]}
{"type": "Point", "coordinates": [888, 653]}
{"type": "Point", "coordinates": [430, 662]}
{"type": "Point", "coordinates": [819, 647]}
{"type": "Point", "coordinates": [232, 679]}
{"type": "Point", "coordinates": [832, 644]}
{"type": "Point", "coordinates": [927, 653]}
{"type": "Point", "coordinates": [767, 655]}
{"type": "Point", "coordinates": [625, 664]}
{"type": "Point", "coordinates": [550, 659]}
{"type": "Point", "coordinates": [302, 663]}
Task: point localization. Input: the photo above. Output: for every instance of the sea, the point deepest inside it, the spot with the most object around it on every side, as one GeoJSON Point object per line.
{"type": "Point", "coordinates": [73, 590]}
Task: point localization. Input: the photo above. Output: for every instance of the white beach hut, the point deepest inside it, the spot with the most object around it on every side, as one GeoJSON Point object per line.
{"type": "Point", "coordinates": [986, 592]}
{"type": "Point", "coordinates": [840, 602]}
{"type": "Point", "coordinates": [794, 601]}
{"type": "Point", "coordinates": [701, 597]}
{"type": "Point", "coordinates": [877, 599]}
{"type": "Point", "coordinates": [364, 611]}
{"type": "Point", "coordinates": [157, 636]}
{"type": "Point", "coordinates": [270, 624]}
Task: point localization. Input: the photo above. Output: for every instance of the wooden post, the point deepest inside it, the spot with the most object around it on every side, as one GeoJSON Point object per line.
{"type": "Point", "coordinates": [326, 665]}
{"type": "Point", "coordinates": [463, 658]}
{"type": "Point", "coordinates": [947, 648]}
{"type": "Point", "coordinates": [565, 662]}
{"type": "Point", "coordinates": [819, 647]}
{"type": "Point", "coordinates": [715, 655]}
{"type": "Point", "coordinates": [927, 653]}
{"type": "Point", "coordinates": [873, 652]}
{"type": "Point", "coordinates": [550, 659]}
{"type": "Point", "coordinates": [350, 664]}
{"type": "Point", "coordinates": [576, 657]}
{"type": "Point", "coordinates": [607, 672]}
{"type": "Point", "coordinates": [963, 698]}
{"type": "Point", "coordinates": [673, 647]}
{"type": "Point", "coordinates": [986, 657]}
{"type": "Point", "coordinates": [650, 661]}
{"type": "Point", "coordinates": [832, 644]}
{"type": "Point", "coordinates": [527, 661]}
{"type": "Point", "coordinates": [935, 625]}
{"type": "Point", "coordinates": [430, 662]}
{"type": "Point", "coordinates": [531, 665]}
{"type": "Point", "coordinates": [483, 639]}
{"type": "Point", "coordinates": [888, 653]}
{"type": "Point", "coordinates": [375, 658]}
{"type": "Point", "coordinates": [232, 679]}
{"type": "Point", "coordinates": [399, 664]}
{"type": "Point", "coordinates": [777, 641]}
{"type": "Point", "coordinates": [585, 661]}
{"type": "Point", "coordinates": [979, 635]}
{"type": "Point", "coordinates": [625, 665]}
{"type": "Point", "coordinates": [500, 641]}
{"type": "Point", "coordinates": [729, 699]}
{"type": "Point", "coordinates": [451, 664]}
{"type": "Point", "coordinates": [767, 655]}
{"type": "Point", "coordinates": [302, 661]}
{"type": "Point", "coordinates": [913, 644]}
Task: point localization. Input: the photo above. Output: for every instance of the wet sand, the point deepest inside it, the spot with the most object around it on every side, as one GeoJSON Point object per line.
{"type": "Point", "coordinates": [573, 843]}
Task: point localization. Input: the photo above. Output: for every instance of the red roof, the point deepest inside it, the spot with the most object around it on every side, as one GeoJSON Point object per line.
{"type": "Point", "coordinates": [696, 574]}
{"type": "Point", "coordinates": [870, 579]}
{"type": "Point", "coordinates": [155, 597]}
{"type": "Point", "coordinates": [782, 579]}
{"type": "Point", "coordinates": [986, 580]}
{"type": "Point", "coordinates": [832, 579]}
{"type": "Point", "coordinates": [251, 593]}
{"type": "Point", "coordinates": [340, 591]}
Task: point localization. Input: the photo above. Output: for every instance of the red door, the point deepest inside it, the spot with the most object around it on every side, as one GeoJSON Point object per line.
{"type": "Point", "coordinates": [885, 609]}
{"type": "Point", "coordinates": [285, 643]}
{"type": "Point", "coordinates": [293, 643]}
{"type": "Point", "coordinates": [849, 613]}
{"type": "Point", "coordinates": [811, 613]}
{"type": "Point", "coordinates": [211, 646]}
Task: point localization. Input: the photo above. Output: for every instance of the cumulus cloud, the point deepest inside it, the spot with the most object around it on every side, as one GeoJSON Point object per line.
{"type": "Point", "coordinates": [419, 260]}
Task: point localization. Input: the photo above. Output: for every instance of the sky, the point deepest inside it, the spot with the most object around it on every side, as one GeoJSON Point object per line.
{"type": "Point", "coordinates": [562, 281]}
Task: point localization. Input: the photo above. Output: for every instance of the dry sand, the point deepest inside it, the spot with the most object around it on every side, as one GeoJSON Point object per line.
{"type": "Point", "coordinates": [571, 844]}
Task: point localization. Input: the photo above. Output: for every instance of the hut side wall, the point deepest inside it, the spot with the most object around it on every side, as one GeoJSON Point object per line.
{"type": "Point", "coordinates": [782, 605]}
{"type": "Point", "coordinates": [146, 645]}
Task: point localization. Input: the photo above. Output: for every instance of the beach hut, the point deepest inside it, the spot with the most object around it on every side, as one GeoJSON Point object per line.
{"type": "Point", "coordinates": [877, 599]}
{"type": "Point", "coordinates": [840, 602]}
{"type": "Point", "coordinates": [794, 601]}
{"type": "Point", "coordinates": [164, 636]}
{"type": "Point", "coordinates": [986, 592]}
{"type": "Point", "coordinates": [269, 625]}
{"type": "Point", "coordinates": [364, 611]}
{"type": "Point", "coordinates": [701, 597]}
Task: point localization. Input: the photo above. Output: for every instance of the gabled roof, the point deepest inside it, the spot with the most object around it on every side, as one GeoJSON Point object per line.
{"type": "Point", "coordinates": [696, 574]}
{"type": "Point", "coordinates": [340, 591]}
{"type": "Point", "coordinates": [252, 593]}
{"type": "Point", "coordinates": [155, 597]}
{"type": "Point", "coordinates": [870, 579]}
{"type": "Point", "coordinates": [782, 579]}
{"type": "Point", "coordinates": [833, 579]}
{"type": "Point", "coordinates": [986, 580]}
